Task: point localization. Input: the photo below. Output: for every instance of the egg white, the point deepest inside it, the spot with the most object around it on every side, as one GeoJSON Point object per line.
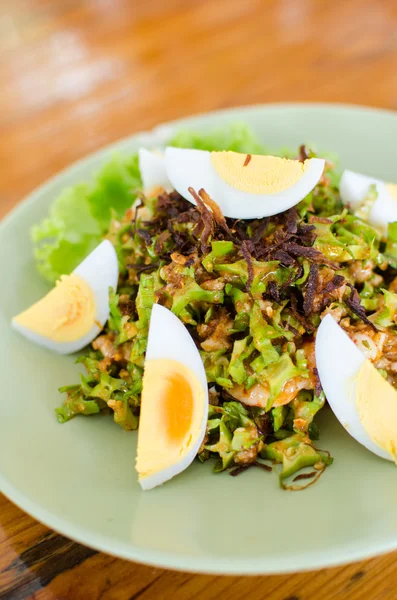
{"type": "Point", "coordinates": [338, 363]}
{"type": "Point", "coordinates": [354, 188]}
{"type": "Point", "coordinates": [100, 271]}
{"type": "Point", "coordinates": [193, 168]}
{"type": "Point", "coordinates": [169, 339]}
{"type": "Point", "coordinates": [153, 171]}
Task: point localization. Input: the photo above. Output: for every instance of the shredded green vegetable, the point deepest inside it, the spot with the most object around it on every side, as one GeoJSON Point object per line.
{"type": "Point", "coordinates": [252, 294]}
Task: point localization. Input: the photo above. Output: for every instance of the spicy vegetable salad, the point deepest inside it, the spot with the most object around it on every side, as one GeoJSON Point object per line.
{"type": "Point", "coordinates": [251, 293]}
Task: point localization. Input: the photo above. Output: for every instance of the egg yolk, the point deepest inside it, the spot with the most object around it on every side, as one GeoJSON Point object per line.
{"type": "Point", "coordinates": [172, 408]}
{"type": "Point", "coordinates": [176, 404]}
{"type": "Point", "coordinates": [65, 314]}
{"type": "Point", "coordinates": [258, 174]}
{"type": "Point", "coordinates": [376, 402]}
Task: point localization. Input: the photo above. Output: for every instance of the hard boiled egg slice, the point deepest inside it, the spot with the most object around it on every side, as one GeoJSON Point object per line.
{"type": "Point", "coordinates": [362, 400]}
{"type": "Point", "coordinates": [174, 403]}
{"type": "Point", "coordinates": [153, 172]}
{"type": "Point", "coordinates": [72, 314]}
{"type": "Point", "coordinates": [243, 186]}
{"type": "Point", "coordinates": [354, 190]}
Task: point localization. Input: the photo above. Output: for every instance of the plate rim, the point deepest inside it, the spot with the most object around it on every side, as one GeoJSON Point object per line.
{"type": "Point", "coordinates": [306, 562]}
{"type": "Point", "coordinates": [160, 558]}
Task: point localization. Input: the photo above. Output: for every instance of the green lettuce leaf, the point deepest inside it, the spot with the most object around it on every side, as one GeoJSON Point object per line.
{"type": "Point", "coordinates": [81, 214]}
{"type": "Point", "coordinates": [391, 244]}
{"type": "Point", "coordinates": [386, 317]}
{"type": "Point", "coordinates": [238, 137]}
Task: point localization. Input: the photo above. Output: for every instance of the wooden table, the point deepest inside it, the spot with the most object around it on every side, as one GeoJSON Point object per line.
{"type": "Point", "coordinates": [78, 74]}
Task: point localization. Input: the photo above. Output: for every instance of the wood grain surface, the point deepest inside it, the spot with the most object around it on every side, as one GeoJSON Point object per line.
{"type": "Point", "coordinates": [78, 74]}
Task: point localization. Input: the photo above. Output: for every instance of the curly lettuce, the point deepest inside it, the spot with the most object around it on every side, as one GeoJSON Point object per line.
{"type": "Point", "coordinates": [81, 214]}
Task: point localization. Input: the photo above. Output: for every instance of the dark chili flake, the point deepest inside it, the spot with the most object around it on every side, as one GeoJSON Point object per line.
{"type": "Point", "coordinates": [238, 229]}
{"type": "Point", "coordinates": [263, 423]}
{"type": "Point", "coordinates": [263, 466]}
{"type": "Point", "coordinates": [162, 238]}
{"type": "Point", "coordinates": [189, 250]}
{"type": "Point", "coordinates": [178, 238]}
{"type": "Point", "coordinates": [303, 153]}
{"type": "Point", "coordinates": [298, 315]}
{"type": "Point", "coordinates": [317, 386]}
{"type": "Point", "coordinates": [291, 220]}
{"type": "Point", "coordinates": [248, 259]}
{"type": "Point", "coordinates": [274, 292]}
{"type": "Point", "coordinates": [127, 308]}
{"type": "Point", "coordinates": [311, 289]}
{"type": "Point", "coordinates": [353, 302]}
{"type": "Point", "coordinates": [171, 204]}
{"type": "Point", "coordinates": [306, 234]}
{"type": "Point", "coordinates": [292, 329]}
{"type": "Point", "coordinates": [161, 297]}
{"type": "Point", "coordinates": [238, 470]}
{"type": "Point", "coordinates": [247, 160]}
{"type": "Point", "coordinates": [171, 208]}
{"type": "Point", "coordinates": [285, 259]}
{"type": "Point", "coordinates": [311, 254]}
{"type": "Point", "coordinates": [296, 488]}
{"type": "Point", "coordinates": [145, 236]}
{"type": "Point", "coordinates": [304, 228]}
{"type": "Point", "coordinates": [299, 271]}
{"type": "Point", "coordinates": [260, 231]}
{"type": "Point", "coordinates": [225, 396]}
{"type": "Point", "coordinates": [190, 260]}
{"type": "Point", "coordinates": [188, 216]}
{"type": "Point", "coordinates": [333, 285]}
{"type": "Point", "coordinates": [305, 476]}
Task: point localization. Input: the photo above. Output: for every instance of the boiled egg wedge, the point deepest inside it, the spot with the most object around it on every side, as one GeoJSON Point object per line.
{"type": "Point", "coordinates": [174, 402]}
{"type": "Point", "coordinates": [153, 172]}
{"type": "Point", "coordinates": [244, 186]}
{"type": "Point", "coordinates": [355, 189]}
{"type": "Point", "coordinates": [72, 314]}
{"type": "Point", "coordinates": [362, 400]}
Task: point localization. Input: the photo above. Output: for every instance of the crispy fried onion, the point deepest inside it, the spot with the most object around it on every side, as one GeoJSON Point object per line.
{"type": "Point", "coordinates": [354, 303]}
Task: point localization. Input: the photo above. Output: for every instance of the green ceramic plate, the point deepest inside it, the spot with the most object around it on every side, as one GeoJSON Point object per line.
{"type": "Point", "coordinates": [79, 478]}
